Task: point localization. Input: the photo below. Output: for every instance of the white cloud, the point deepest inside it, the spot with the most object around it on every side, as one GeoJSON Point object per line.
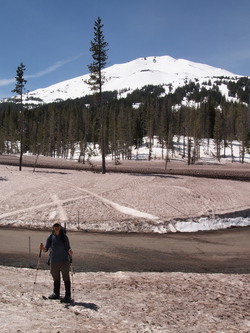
{"type": "Point", "coordinates": [52, 68]}
{"type": "Point", "coordinates": [6, 82]}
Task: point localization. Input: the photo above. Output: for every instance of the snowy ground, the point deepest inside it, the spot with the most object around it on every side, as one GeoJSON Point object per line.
{"type": "Point", "coordinates": [126, 302]}
{"type": "Point", "coordinates": [122, 301]}
{"type": "Point", "coordinates": [118, 202]}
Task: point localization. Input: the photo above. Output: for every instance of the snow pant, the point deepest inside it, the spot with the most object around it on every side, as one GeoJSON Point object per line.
{"type": "Point", "coordinates": [55, 269]}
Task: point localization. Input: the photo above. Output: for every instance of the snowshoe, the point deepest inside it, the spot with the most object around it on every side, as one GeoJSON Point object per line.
{"type": "Point", "coordinates": [54, 296]}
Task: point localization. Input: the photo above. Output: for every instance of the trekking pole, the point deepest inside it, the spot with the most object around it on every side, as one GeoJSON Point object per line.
{"type": "Point", "coordinates": [37, 267]}
{"type": "Point", "coordinates": [72, 278]}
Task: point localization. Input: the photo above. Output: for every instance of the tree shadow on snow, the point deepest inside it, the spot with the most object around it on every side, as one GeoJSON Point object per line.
{"type": "Point", "coordinates": [54, 172]}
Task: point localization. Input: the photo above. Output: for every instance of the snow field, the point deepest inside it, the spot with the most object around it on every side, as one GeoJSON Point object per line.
{"type": "Point", "coordinates": [119, 202]}
{"type": "Point", "coordinates": [126, 302]}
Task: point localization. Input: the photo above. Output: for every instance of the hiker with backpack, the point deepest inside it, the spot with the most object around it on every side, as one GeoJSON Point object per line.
{"type": "Point", "coordinates": [60, 258]}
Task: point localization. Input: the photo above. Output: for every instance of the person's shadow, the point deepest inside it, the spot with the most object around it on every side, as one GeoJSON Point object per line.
{"type": "Point", "coordinates": [91, 306]}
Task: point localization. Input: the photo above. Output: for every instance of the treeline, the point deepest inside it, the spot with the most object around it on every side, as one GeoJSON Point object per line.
{"type": "Point", "coordinates": [57, 129]}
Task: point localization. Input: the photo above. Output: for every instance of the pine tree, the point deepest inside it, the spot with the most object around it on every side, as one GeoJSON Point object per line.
{"type": "Point", "coordinates": [230, 124]}
{"type": "Point", "coordinates": [19, 89]}
{"type": "Point", "coordinates": [99, 54]}
{"type": "Point", "coordinates": [242, 127]}
{"type": "Point", "coordinates": [218, 129]}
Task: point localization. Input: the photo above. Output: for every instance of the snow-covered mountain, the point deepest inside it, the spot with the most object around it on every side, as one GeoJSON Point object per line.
{"type": "Point", "coordinates": [126, 77]}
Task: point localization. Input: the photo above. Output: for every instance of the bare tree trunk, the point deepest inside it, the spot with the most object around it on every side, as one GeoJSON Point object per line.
{"type": "Point", "coordinates": [189, 151]}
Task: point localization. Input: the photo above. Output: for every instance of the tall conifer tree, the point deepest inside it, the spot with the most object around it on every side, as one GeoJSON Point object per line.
{"type": "Point", "coordinates": [99, 54]}
{"type": "Point", "coordinates": [19, 89]}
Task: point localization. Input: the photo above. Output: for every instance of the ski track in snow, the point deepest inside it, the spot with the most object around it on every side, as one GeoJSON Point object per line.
{"type": "Point", "coordinates": [63, 216]}
{"type": "Point", "coordinates": [127, 210]}
{"type": "Point", "coordinates": [55, 203]}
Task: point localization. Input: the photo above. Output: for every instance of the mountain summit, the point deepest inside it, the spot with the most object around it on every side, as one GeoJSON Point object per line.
{"type": "Point", "coordinates": [166, 71]}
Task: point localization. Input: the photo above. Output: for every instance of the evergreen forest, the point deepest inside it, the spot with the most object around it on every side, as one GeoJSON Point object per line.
{"type": "Point", "coordinates": [57, 129]}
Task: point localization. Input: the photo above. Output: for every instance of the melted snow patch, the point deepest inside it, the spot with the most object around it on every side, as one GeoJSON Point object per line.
{"type": "Point", "coordinates": [211, 224]}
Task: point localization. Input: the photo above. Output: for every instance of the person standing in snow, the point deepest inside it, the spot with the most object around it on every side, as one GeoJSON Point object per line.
{"type": "Point", "coordinates": [61, 252]}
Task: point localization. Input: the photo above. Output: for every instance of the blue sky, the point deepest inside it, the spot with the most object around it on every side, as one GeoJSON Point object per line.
{"type": "Point", "coordinates": [52, 37]}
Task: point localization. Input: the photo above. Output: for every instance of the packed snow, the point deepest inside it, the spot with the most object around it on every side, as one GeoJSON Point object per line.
{"type": "Point", "coordinates": [125, 302]}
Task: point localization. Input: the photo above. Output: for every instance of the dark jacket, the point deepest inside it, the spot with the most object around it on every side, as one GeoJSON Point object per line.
{"type": "Point", "coordinates": [59, 246]}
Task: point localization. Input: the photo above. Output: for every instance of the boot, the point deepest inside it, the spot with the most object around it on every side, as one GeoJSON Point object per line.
{"type": "Point", "coordinates": [67, 298]}
{"type": "Point", "coordinates": [56, 293]}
